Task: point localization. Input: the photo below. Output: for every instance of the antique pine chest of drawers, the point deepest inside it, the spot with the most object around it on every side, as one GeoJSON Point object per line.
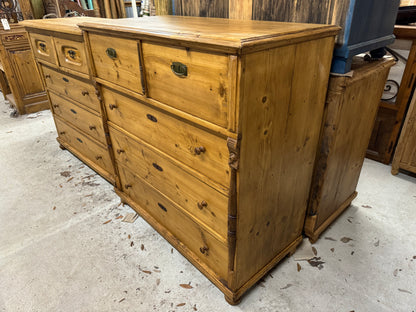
{"type": "Point", "coordinates": [61, 53]}
{"type": "Point", "coordinates": [214, 126]}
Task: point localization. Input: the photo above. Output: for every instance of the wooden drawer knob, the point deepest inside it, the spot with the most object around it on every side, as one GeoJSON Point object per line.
{"type": "Point", "coordinates": [55, 105]}
{"type": "Point", "coordinates": [119, 151]}
{"type": "Point", "coordinates": [204, 250]}
{"type": "Point", "coordinates": [92, 127]}
{"type": "Point", "coordinates": [126, 186]}
{"type": "Point", "coordinates": [112, 106]}
{"type": "Point", "coordinates": [47, 76]}
{"type": "Point", "coordinates": [199, 150]}
{"type": "Point", "coordinates": [62, 132]}
{"type": "Point", "coordinates": [84, 93]}
{"type": "Point", "coordinates": [98, 157]}
{"type": "Point", "coordinates": [111, 53]}
{"type": "Point", "coordinates": [203, 204]}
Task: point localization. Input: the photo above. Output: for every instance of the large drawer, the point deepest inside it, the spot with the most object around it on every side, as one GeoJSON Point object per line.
{"type": "Point", "coordinates": [43, 47]}
{"type": "Point", "coordinates": [205, 246]}
{"type": "Point", "coordinates": [202, 201]}
{"type": "Point", "coordinates": [195, 82]}
{"type": "Point", "coordinates": [195, 147]}
{"type": "Point", "coordinates": [71, 54]}
{"type": "Point", "coordinates": [117, 61]}
{"type": "Point", "coordinates": [74, 88]}
{"type": "Point", "coordinates": [79, 117]}
{"type": "Point", "coordinates": [84, 146]}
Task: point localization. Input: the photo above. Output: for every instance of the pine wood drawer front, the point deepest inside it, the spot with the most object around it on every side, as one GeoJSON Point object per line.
{"type": "Point", "coordinates": [201, 150]}
{"type": "Point", "coordinates": [117, 61]}
{"type": "Point", "coordinates": [78, 90]}
{"type": "Point", "coordinates": [207, 248]}
{"type": "Point", "coordinates": [202, 201]}
{"type": "Point", "coordinates": [196, 82]}
{"type": "Point", "coordinates": [85, 146]}
{"type": "Point", "coordinates": [71, 54]}
{"type": "Point", "coordinates": [43, 47]}
{"type": "Point", "coordinates": [79, 117]}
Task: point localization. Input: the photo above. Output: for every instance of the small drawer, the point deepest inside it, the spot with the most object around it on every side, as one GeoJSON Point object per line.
{"type": "Point", "coordinates": [71, 54]}
{"type": "Point", "coordinates": [203, 244]}
{"type": "Point", "coordinates": [72, 87]}
{"type": "Point", "coordinates": [199, 149]}
{"type": "Point", "coordinates": [117, 61]}
{"type": "Point", "coordinates": [202, 201]}
{"type": "Point", "coordinates": [195, 82]}
{"type": "Point", "coordinates": [79, 117]}
{"type": "Point", "coordinates": [84, 146]}
{"type": "Point", "coordinates": [43, 47]}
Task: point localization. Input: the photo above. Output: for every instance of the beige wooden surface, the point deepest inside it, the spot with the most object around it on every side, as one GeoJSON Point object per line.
{"type": "Point", "coordinates": [351, 108]}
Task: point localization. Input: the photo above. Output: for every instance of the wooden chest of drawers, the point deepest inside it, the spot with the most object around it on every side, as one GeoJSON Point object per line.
{"type": "Point", "coordinates": [61, 53]}
{"type": "Point", "coordinates": [214, 125]}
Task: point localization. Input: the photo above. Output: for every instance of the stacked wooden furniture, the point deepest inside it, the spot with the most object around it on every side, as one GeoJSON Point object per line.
{"type": "Point", "coordinates": [62, 55]}
{"type": "Point", "coordinates": [391, 114]}
{"type": "Point", "coordinates": [21, 83]}
{"type": "Point", "coordinates": [405, 155]}
{"type": "Point", "coordinates": [350, 111]}
{"type": "Point", "coordinates": [214, 126]}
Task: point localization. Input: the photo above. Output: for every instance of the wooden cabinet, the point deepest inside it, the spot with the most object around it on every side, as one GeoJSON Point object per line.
{"type": "Point", "coordinates": [27, 92]}
{"type": "Point", "coordinates": [405, 155]}
{"type": "Point", "coordinates": [350, 111]}
{"type": "Point", "coordinates": [59, 48]}
{"type": "Point", "coordinates": [214, 126]}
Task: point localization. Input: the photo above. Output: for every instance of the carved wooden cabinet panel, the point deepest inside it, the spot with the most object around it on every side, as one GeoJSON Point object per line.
{"type": "Point", "coordinates": [27, 92]}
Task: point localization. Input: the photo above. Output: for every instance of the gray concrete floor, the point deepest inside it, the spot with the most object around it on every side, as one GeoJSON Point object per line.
{"type": "Point", "coordinates": [57, 253]}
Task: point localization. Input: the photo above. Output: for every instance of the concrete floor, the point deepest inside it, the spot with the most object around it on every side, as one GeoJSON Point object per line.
{"type": "Point", "coordinates": [57, 253]}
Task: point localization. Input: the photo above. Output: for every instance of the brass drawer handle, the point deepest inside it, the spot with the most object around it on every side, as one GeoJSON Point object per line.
{"type": "Point", "coordinates": [98, 157]}
{"type": "Point", "coordinates": [111, 53]}
{"type": "Point", "coordinates": [203, 204]}
{"type": "Point", "coordinates": [199, 150]}
{"type": "Point", "coordinates": [157, 167]}
{"type": "Point", "coordinates": [179, 69]}
{"type": "Point", "coordinates": [126, 186]}
{"type": "Point", "coordinates": [62, 132]}
{"type": "Point", "coordinates": [162, 207]}
{"type": "Point", "coordinates": [84, 93]}
{"type": "Point", "coordinates": [151, 118]}
{"type": "Point", "coordinates": [65, 79]}
{"type": "Point", "coordinates": [72, 54]}
{"type": "Point", "coordinates": [47, 76]}
{"type": "Point", "coordinates": [79, 140]}
{"type": "Point", "coordinates": [92, 128]}
{"type": "Point", "coordinates": [112, 106]}
{"type": "Point", "coordinates": [119, 151]}
{"type": "Point", "coordinates": [73, 111]}
{"type": "Point", "coordinates": [204, 250]}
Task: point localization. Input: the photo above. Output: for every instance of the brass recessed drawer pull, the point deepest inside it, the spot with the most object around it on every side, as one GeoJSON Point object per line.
{"type": "Point", "coordinates": [157, 167]}
{"type": "Point", "coordinates": [126, 186]}
{"type": "Point", "coordinates": [162, 207]}
{"type": "Point", "coordinates": [111, 53]}
{"type": "Point", "coordinates": [93, 128]}
{"type": "Point", "coordinates": [84, 93]}
{"type": "Point", "coordinates": [72, 54]}
{"type": "Point", "coordinates": [151, 118]}
{"type": "Point", "coordinates": [42, 46]}
{"type": "Point", "coordinates": [179, 69]}
{"type": "Point", "coordinates": [199, 150]}
{"type": "Point", "coordinates": [204, 250]}
{"type": "Point", "coordinates": [98, 157]}
{"type": "Point", "coordinates": [112, 106]}
{"type": "Point", "coordinates": [119, 151]}
{"type": "Point", "coordinates": [203, 204]}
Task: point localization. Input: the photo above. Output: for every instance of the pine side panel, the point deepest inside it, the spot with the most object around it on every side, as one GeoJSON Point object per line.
{"type": "Point", "coordinates": [282, 101]}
